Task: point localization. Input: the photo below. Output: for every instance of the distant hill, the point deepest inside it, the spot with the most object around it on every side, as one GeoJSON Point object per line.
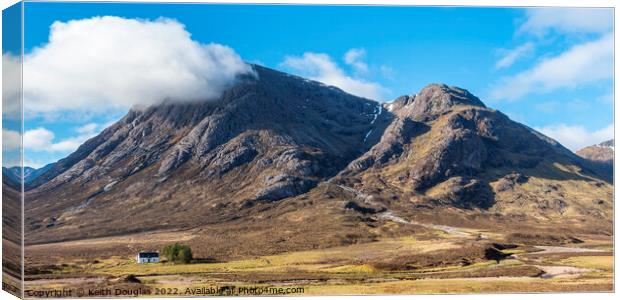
{"type": "Point", "coordinates": [603, 152]}
{"type": "Point", "coordinates": [30, 174]}
{"type": "Point", "coordinates": [11, 176]}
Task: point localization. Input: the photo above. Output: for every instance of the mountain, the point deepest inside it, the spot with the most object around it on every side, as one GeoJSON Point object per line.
{"type": "Point", "coordinates": [30, 174]}
{"type": "Point", "coordinates": [11, 175]}
{"type": "Point", "coordinates": [286, 163]}
{"type": "Point", "coordinates": [603, 152]}
{"type": "Point", "coordinates": [265, 139]}
{"type": "Point", "coordinates": [445, 149]}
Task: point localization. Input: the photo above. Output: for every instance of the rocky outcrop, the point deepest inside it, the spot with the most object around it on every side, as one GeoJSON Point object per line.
{"type": "Point", "coordinates": [231, 156]}
{"type": "Point", "coordinates": [283, 186]}
{"type": "Point", "coordinates": [464, 192]}
{"type": "Point", "coordinates": [391, 145]}
{"type": "Point", "coordinates": [459, 150]}
{"type": "Point", "coordinates": [297, 171]}
{"type": "Point", "coordinates": [509, 181]}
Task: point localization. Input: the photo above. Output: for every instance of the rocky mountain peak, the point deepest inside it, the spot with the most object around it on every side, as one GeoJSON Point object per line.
{"type": "Point", "coordinates": [432, 101]}
{"type": "Point", "coordinates": [442, 94]}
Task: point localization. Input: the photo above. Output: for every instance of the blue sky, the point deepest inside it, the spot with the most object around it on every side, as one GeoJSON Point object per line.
{"type": "Point", "coordinates": [551, 69]}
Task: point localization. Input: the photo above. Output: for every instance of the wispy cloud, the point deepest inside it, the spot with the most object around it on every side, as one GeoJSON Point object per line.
{"type": "Point", "coordinates": [576, 137]}
{"type": "Point", "coordinates": [321, 67]}
{"type": "Point", "coordinates": [355, 57]}
{"type": "Point", "coordinates": [102, 62]}
{"type": "Point", "coordinates": [541, 21]}
{"type": "Point", "coordinates": [510, 56]}
{"type": "Point", "coordinates": [582, 64]}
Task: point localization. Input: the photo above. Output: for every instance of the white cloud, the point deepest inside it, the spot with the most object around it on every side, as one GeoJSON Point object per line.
{"type": "Point", "coordinates": [11, 86]}
{"type": "Point", "coordinates": [355, 58]}
{"type": "Point", "coordinates": [39, 139]}
{"type": "Point", "coordinates": [111, 62]}
{"type": "Point", "coordinates": [42, 139]}
{"type": "Point", "coordinates": [582, 64]}
{"type": "Point", "coordinates": [540, 21]}
{"type": "Point", "coordinates": [320, 67]}
{"type": "Point", "coordinates": [11, 140]}
{"type": "Point", "coordinates": [576, 137]}
{"type": "Point", "coordinates": [510, 56]}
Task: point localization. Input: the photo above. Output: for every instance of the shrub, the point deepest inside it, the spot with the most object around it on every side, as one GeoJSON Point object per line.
{"type": "Point", "coordinates": [178, 253]}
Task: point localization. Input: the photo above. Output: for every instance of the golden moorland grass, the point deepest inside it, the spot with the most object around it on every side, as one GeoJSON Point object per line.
{"type": "Point", "coordinates": [353, 269]}
{"type": "Point", "coordinates": [605, 263]}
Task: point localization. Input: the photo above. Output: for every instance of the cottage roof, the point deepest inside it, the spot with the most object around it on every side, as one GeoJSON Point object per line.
{"type": "Point", "coordinates": [148, 254]}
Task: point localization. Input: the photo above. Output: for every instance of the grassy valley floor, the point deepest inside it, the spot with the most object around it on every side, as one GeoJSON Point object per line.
{"type": "Point", "coordinates": [445, 261]}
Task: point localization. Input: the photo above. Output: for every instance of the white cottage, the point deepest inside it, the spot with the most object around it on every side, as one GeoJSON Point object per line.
{"type": "Point", "coordinates": [147, 257]}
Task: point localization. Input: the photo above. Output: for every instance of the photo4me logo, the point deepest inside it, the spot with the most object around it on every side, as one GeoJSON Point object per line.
{"type": "Point", "coordinates": [244, 290]}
